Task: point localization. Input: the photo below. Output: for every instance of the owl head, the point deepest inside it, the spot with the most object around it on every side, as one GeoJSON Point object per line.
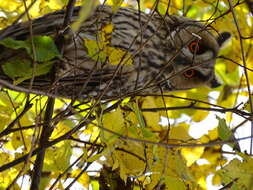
{"type": "Point", "coordinates": [195, 50]}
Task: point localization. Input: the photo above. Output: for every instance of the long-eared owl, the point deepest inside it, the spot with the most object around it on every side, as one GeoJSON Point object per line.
{"type": "Point", "coordinates": [119, 54]}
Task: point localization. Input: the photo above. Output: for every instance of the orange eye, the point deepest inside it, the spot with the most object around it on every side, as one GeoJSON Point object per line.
{"type": "Point", "coordinates": [189, 73]}
{"type": "Point", "coordinates": [194, 47]}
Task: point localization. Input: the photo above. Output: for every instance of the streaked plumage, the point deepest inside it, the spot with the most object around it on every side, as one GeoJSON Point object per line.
{"type": "Point", "coordinates": [161, 48]}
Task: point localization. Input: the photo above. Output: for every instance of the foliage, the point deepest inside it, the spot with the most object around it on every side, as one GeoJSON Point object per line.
{"type": "Point", "coordinates": [22, 69]}
{"type": "Point", "coordinates": [116, 55]}
{"type": "Point", "coordinates": [127, 138]}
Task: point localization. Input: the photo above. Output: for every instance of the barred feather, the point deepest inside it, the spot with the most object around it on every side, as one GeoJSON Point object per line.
{"type": "Point", "coordinates": [157, 44]}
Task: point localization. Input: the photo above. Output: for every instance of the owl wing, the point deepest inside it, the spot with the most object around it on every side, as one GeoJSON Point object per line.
{"type": "Point", "coordinates": [87, 81]}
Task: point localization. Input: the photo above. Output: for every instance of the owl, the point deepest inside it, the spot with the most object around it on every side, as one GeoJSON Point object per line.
{"type": "Point", "coordinates": [118, 54]}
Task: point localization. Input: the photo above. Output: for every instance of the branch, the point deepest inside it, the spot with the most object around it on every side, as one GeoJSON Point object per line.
{"type": "Point", "coordinates": [45, 134]}
{"type": "Point", "coordinates": [6, 131]}
{"type": "Point", "coordinates": [245, 66]}
{"type": "Point", "coordinates": [191, 106]}
{"type": "Point", "coordinates": [47, 127]}
{"type": "Point", "coordinates": [67, 135]}
{"type": "Point", "coordinates": [72, 131]}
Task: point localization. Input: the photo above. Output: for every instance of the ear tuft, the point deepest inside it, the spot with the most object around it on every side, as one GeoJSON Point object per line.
{"type": "Point", "coordinates": [223, 37]}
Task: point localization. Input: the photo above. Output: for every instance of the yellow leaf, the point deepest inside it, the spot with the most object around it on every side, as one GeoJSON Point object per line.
{"type": "Point", "coordinates": [61, 129]}
{"type": "Point", "coordinates": [152, 118]}
{"type": "Point", "coordinates": [192, 154]}
{"type": "Point", "coordinates": [202, 182]}
{"type": "Point", "coordinates": [144, 179]}
{"type": "Point", "coordinates": [105, 152]}
{"type": "Point", "coordinates": [175, 183]}
{"type": "Point", "coordinates": [105, 35]}
{"type": "Point", "coordinates": [7, 177]}
{"type": "Point", "coordinates": [117, 125]}
{"type": "Point", "coordinates": [18, 140]}
{"type": "Point", "coordinates": [115, 164]}
{"type": "Point", "coordinates": [94, 51]}
{"type": "Point", "coordinates": [216, 180]}
{"type": "Point", "coordinates": [211, 136]}
{"type": "Point", "coordinates": [58, 157]}
{"type": "Point", "coordinates": [130, 164]}
{"type": "Point", "coordinates": [101, 50]}
{"type": "Point", "coordinates": [123, 173]}
{"type": "Point", "coordinates": [27, 119]}
{"type": "Point", "coordinates": [60, 186]}
{"type": "Point", "coordinates": [10, 6]}
{"type": "Point", "coordinates": [107, 29]}
{"type": "Point", "coordinates": [5, 158]}
{"type": "Point", "coordinates": [173, 166]}
{"type": "Point", "coordinates": [4, 117]}
{"type": "Point", "coordinates": [84, 179]}
{"type": "Point", "coordinates": [55, 4]}
{"type": "Point", "coordinates": [118, 56]}
{"type": "Point", "coordinates": [200, 115]}
{"type": "Point", "coordinates": [180, 132]}
{"type": "Point", "coordinates": [212, 156]}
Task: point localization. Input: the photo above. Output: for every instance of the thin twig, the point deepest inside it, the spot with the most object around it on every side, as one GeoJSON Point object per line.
{"type": "Point", "coordinates": [165, 145]}
{"type": "Point", "coordinates": [244, 68]}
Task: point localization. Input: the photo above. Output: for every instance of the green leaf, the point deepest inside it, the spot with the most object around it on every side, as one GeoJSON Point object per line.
{"type": "Point", "coordinates": [223, 130]}
{"type": "Point", "coordinates": [147, 133]}
{"type": "Point", "coordinates": [16, 68]}
{"type": "Point", "coordinates": [45, 48]}
{"type": "Point", "coordinates": [232, 78]}
{"type": "Point", "coordinates": [135, 108]}
{"type": "Point", "coordinates": [94, 51]}
{"type": "Point", "coordinates": [225, 134]}
{"type": "Point", "coordinates": [43, 68]}
{"type": "Point", "coordinates": [57, 158]}
{"type": "Point", "coordinates": [13, 44]}
{"type": "Point", "coordinates": [238, 173]}
{"type": "Point", "coordinates": [21, 69]}
{"type": "Point", "coordinates": [95, 185]}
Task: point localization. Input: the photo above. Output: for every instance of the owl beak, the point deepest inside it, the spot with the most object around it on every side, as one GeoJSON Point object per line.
{"type": "Point", "coordinates": [215, 83]}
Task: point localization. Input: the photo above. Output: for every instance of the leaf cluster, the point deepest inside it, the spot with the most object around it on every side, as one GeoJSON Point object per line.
{"type": "Point", "coordinates": [145, 142]}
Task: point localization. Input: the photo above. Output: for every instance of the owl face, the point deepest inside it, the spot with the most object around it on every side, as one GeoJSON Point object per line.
{"type": "Point", "coordinates": [196, 50]}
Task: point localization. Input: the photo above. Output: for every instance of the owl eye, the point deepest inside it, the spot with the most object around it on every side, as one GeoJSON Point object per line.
{"type": "Point", "coordinates": [190, 73]}
{"type": "Point", "coordinates": [194, 47]}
